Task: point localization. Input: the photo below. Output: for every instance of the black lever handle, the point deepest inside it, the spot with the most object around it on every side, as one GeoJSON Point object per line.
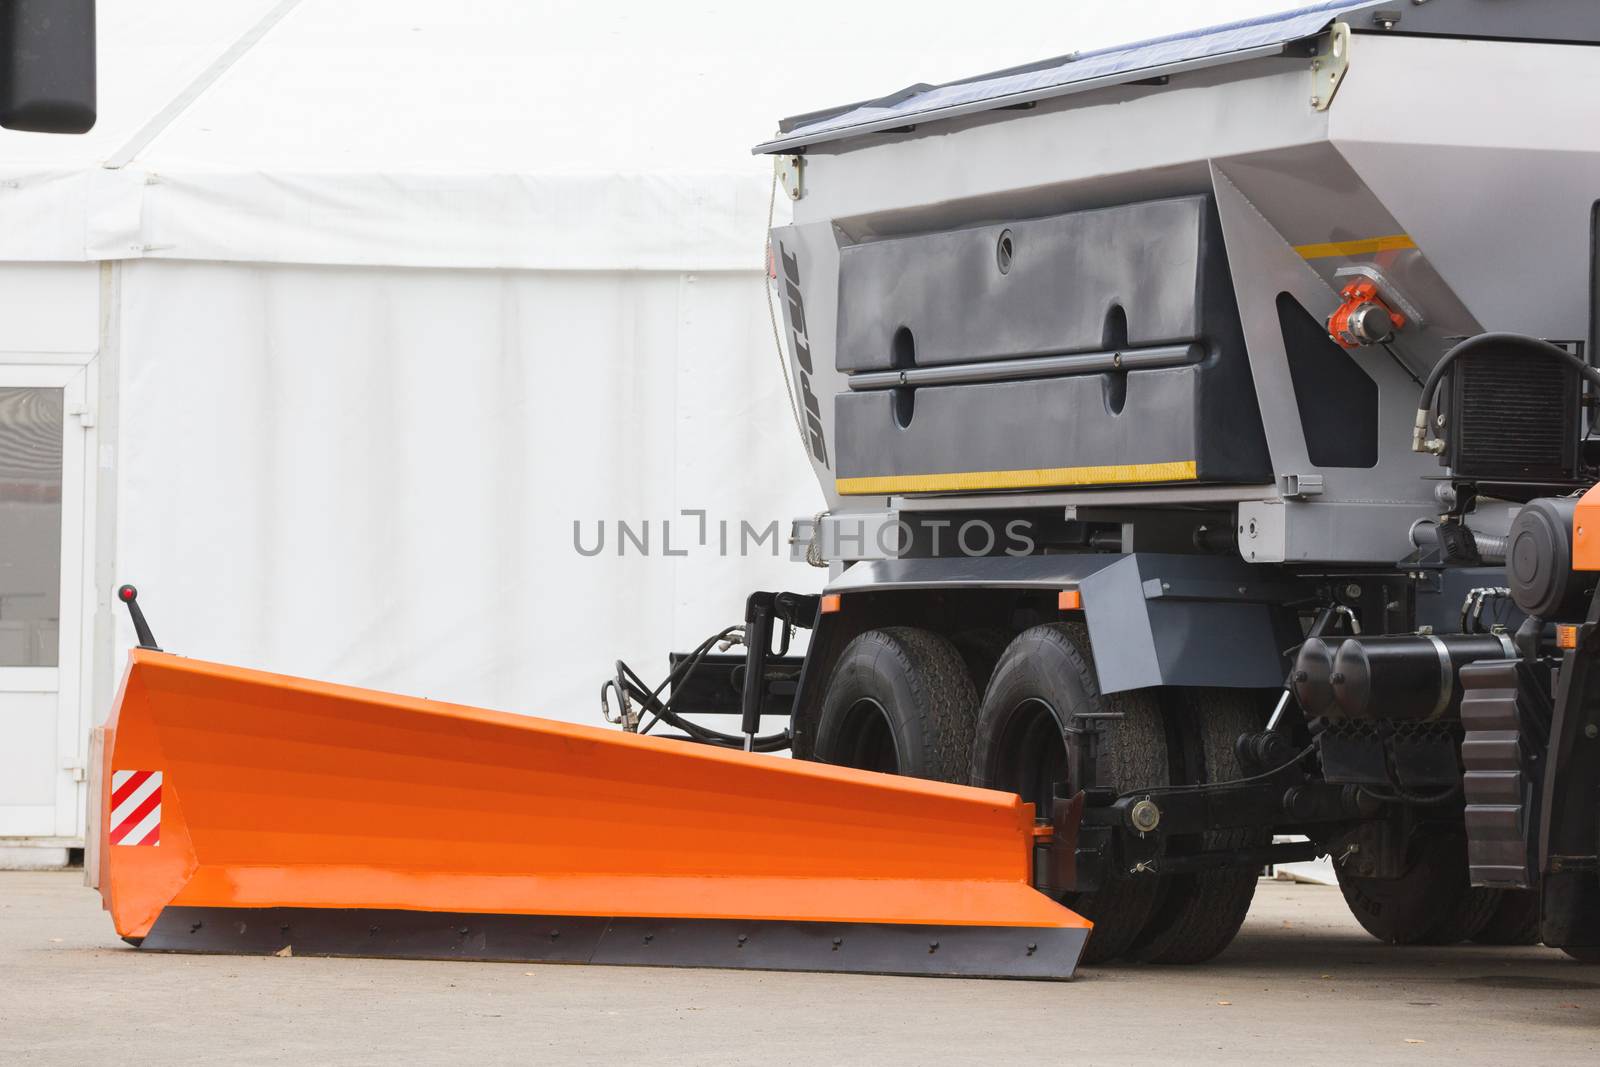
{"type": "Point", "coordinates": [130, 596]}
{"type": "Point", "coordinates": [757, 647]}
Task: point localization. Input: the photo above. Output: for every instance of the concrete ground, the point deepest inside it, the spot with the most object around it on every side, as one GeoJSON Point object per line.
{"type": "Point", "coordinates": [1302, 983]}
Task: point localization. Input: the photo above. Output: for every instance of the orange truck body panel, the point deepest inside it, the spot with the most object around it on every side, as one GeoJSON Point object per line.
{"type": "Point", "coordinates": [1586, 532]}
{"type": "Point", "coordinates": [279, 792]}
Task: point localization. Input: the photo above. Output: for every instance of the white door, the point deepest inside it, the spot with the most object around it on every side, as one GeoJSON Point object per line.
{"type": "Point", "coordinates": [43, 419]}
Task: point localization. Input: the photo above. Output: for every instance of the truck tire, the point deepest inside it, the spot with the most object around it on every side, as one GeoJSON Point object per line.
{"type": "Point", "coordinates": [1473, 911]}
{"type": "Point", "coordinates": [981, 649]}
{"type": "Point", "coordinates": [899, 701]}
{"type": "Point", "coordinates": [1514, 922]}
{"type": "Point", "coordinates": [1197, 915]}
{"type": "Point", "coordinates": [1426, 903]}
{"type": "Point", "coordinates": [1043, 681]}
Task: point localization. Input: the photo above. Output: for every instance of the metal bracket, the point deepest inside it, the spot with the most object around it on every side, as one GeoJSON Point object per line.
{"type": "Point", "coordinates": [1200, 589]}
{"type": "Point", "coordinates": [1300, 485]}
{"type": "Point", "coordinates": [1329, 65]}
{"type": "Point", "coordinates": [791, 174]}
{"type": "Point", "coordinates": [1386, 289]}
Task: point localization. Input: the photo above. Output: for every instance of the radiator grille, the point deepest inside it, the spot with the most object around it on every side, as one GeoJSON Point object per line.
{"type": "Point", "coordinates": [1514, 418]}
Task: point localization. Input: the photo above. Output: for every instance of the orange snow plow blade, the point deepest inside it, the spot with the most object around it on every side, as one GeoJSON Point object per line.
{"type": "Point", "coordinates": [244, 812]}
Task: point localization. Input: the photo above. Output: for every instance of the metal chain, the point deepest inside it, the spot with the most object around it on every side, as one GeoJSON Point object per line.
{"type": "Point", "coordinates": [814, 555]}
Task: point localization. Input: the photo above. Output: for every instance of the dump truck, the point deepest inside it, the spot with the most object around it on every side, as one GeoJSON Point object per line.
{"type": "Point", "coordinates": [1205, 427]}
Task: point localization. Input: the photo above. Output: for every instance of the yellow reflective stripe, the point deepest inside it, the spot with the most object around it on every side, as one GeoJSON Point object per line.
{"type": "Point", "coordinates": [1116, 474]}
{"type": "Point", "coordinates": [1366, 246]}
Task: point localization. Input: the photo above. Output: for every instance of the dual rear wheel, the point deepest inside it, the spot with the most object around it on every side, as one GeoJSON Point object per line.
{"type": "Point", "coordinates": [903, 700]}
{"type": "Point", "coordinates": [1434, 903]}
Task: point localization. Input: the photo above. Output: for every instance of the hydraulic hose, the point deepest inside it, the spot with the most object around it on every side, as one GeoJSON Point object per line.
{"type": "Point", "coordinates": [650, 701]}
{"type": "Point", "coordinates": [1403, 796]}
{"type": "Point", "coordinates": [1492, 547]}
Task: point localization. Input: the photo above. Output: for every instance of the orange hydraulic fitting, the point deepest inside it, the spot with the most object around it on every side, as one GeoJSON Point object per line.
{"type": "Point", "coordinates": [1363, 318]}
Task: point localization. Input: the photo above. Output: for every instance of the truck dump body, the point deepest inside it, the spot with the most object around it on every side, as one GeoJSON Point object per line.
{"type": "Point", "coordinates": [1326, 155]}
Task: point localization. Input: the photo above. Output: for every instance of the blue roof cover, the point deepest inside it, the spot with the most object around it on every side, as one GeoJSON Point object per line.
{"type": "Point", "coordinates": [1230, 42]}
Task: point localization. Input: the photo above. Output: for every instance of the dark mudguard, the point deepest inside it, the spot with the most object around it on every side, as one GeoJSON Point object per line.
{"type": "Point", "coordinates": [852, 948]}
{"type": "Point", "coordinates": [1507, 721]}
{"type": "Point", "coordinates": [1570, 832]}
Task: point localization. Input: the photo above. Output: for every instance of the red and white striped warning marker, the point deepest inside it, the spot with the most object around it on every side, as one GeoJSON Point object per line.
{"type": "Point", "coordinates": [136, 808]}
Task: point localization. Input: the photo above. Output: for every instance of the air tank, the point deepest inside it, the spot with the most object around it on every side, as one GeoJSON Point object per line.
{"type": "Point", "coordinates": [1411, 677]}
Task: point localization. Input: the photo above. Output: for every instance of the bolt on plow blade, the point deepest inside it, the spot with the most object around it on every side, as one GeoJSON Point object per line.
{"type": "Point", "coordinates": [244, 812]}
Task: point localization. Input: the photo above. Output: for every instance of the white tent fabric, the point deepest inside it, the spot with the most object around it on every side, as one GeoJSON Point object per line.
{"type": "Point", "coordinates": [492, 134]}
{"type": "Point", "coordinates": [378, 472]}
{"type": "Point", "coordinates": [394, 292]}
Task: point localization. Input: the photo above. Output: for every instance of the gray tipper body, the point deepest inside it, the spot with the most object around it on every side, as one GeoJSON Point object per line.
{"type": "Point", "coordinates": [1177, 211]}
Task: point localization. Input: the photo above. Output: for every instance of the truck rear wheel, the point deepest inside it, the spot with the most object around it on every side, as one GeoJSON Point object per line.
{"type": "Point", "coordinates": [1514, 922]}
{"type": "Point", "coordinates": [1199, 914]}
{"type": "Point", "coordinates": [1042, 684]}
{"type": "Point", "coordinates": [981, 649]}
{"type": "Point", "coordinates": [1430, 904]}
{"type": "Point", "coordinates": [899, 701]}
{"type": "Point", "coordinates": [1474, 910]}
